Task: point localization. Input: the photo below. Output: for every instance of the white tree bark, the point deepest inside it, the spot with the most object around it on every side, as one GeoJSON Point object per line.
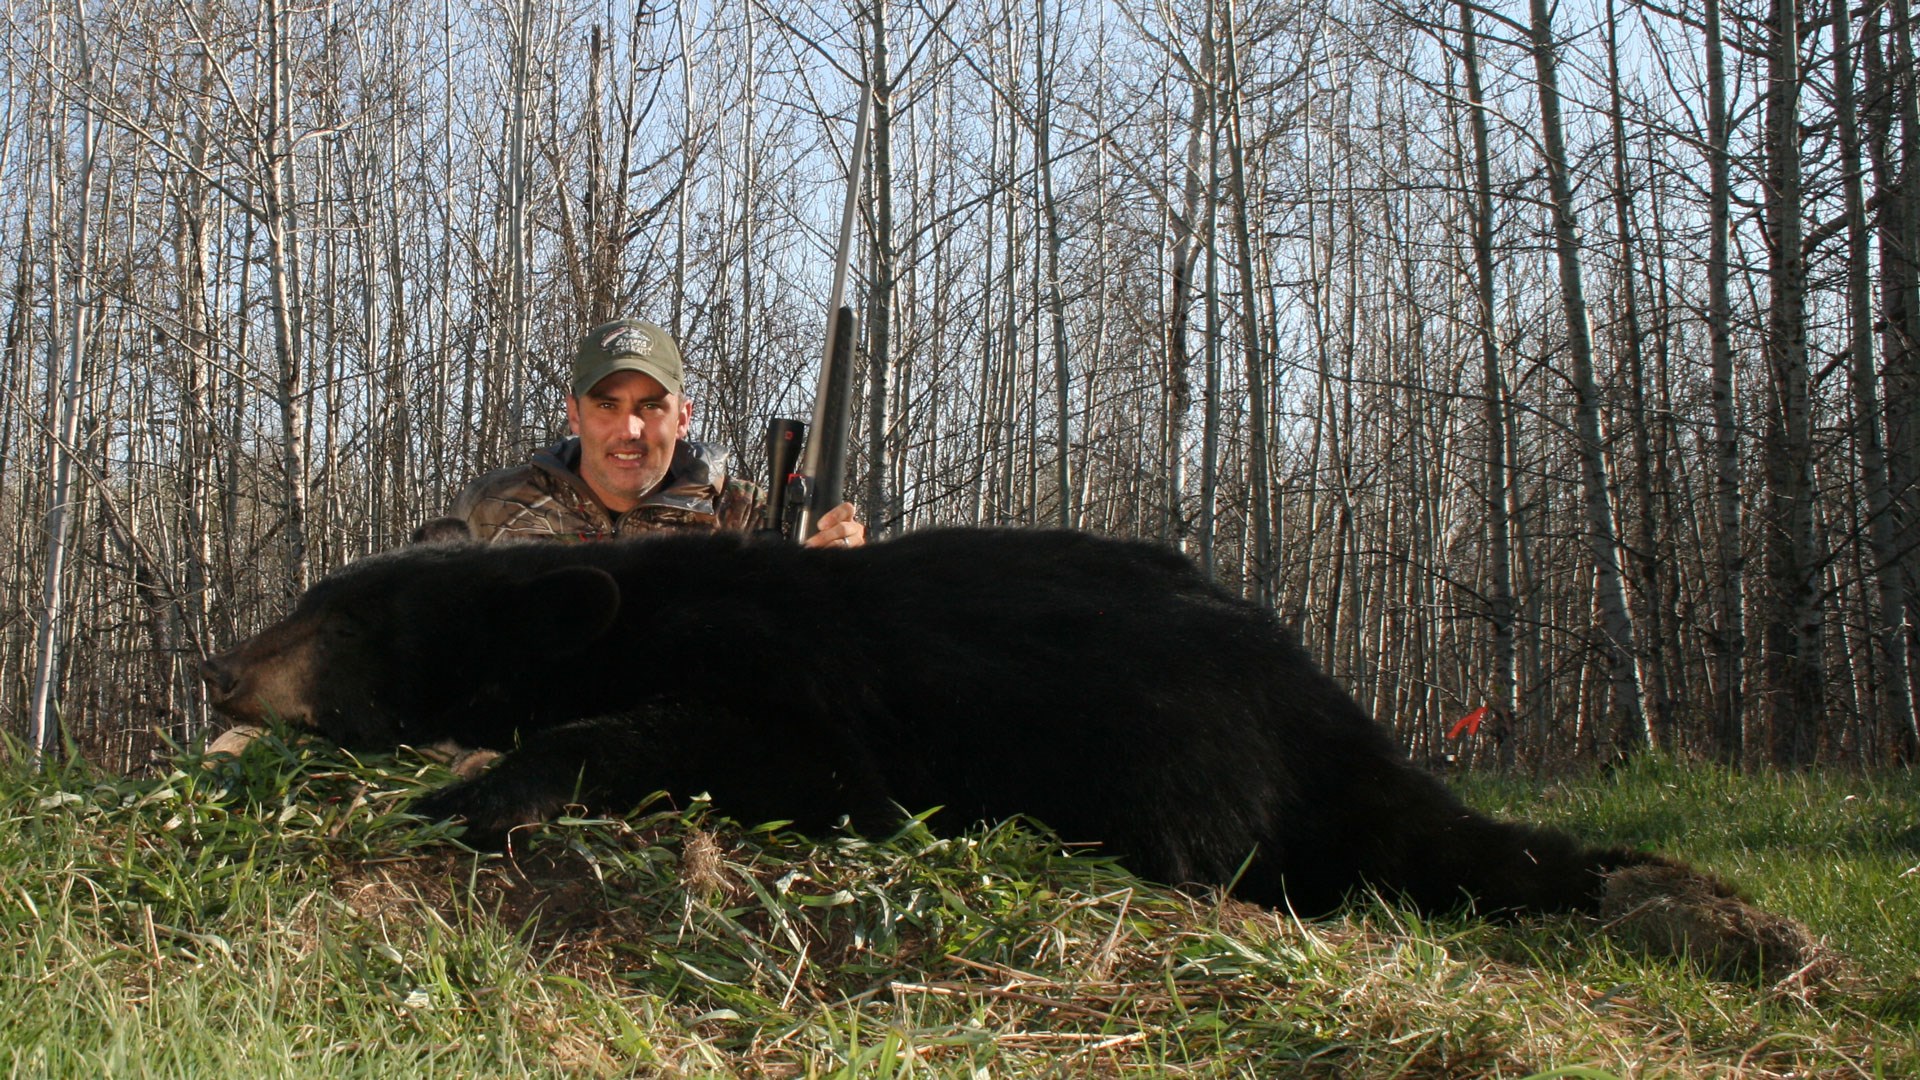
{"type": "Point", "coordinates": [69, 304]}
{"type": "Point", "coordinates": [1626, 711]}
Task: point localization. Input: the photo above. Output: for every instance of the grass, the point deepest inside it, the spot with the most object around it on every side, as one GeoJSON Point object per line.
{"type": "Point", "coordinates": [280, 915]}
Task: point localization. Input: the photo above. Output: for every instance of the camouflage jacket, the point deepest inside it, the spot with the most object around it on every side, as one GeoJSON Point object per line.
{"type": "Point", "coordinates": [545, 499]}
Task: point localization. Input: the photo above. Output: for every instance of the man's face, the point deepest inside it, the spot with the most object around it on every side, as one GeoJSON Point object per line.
{"type": "Point", "coordinates": [627, 425]}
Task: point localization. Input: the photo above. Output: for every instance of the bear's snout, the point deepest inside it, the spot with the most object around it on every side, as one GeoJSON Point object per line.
{"type": "Point", "coordinates": [269, 675]}
{"type": "Point", "coordinates": [219, 677]}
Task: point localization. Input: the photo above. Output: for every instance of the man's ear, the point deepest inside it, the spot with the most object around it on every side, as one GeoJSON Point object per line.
{"type": "Point", "coordinates": [573, 414]}
{"type": "Point", "coordinates": [686, 418]}
{"type": "Point", "coordinates": [577, 603]}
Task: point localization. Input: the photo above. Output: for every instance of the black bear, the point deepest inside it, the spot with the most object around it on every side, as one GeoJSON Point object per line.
{"type": "Point", "coordinates": [1102, 687]}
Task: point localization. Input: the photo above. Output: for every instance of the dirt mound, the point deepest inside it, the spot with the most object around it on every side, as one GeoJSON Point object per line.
{"type": "Point", "coordinates": [1677, 911]}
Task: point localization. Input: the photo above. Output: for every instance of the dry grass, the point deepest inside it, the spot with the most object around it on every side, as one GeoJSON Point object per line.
{"type": "Point", "coordinates": [282, 900]}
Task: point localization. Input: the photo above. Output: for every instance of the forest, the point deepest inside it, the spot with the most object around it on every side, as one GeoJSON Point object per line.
{"type": "Point", "coordinates": [1560, 360]}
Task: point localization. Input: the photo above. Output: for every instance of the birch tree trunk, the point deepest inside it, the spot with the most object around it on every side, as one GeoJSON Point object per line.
{"type": "Point", "coordinates": [1179, 319]}
{"type": "Point", "coordinates": [1500, 609]}
{"type": "Point", "coordinates": [283, 274]}
{"type": "Point", "coordinates": [512, 318]}
{"type": "Point", "coordinates": [198, 433]}
{"type": "Point", "coordinates": [1263, 559]}
{"type": "Point", "coordinates": [69, 304]}
{"type": "Point", "coordinates": [1796, 694]}
{"type": "Point", "coordinates": [1625, 711]}
{"type": "Point", "coordinates": [1647, 559]}
{"type": "Point", "coordinates": [881, 511]}
{"type": "Point", "coordinates": [1727, 641]}
{"type": "Point", "coordinates": [1893, 120]}
{"type": "Point", "coordinates": [1894, 705]}
{"type": "Point", "coordinates": [682, 16]}
{"type": "Point", "coordinates": [1210, 416]}
{"type": "Point", "coordinates": [1045, 62]}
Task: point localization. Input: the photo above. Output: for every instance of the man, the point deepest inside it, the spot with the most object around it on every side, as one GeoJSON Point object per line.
{"type": "Point", "coordinates": [629, 468]}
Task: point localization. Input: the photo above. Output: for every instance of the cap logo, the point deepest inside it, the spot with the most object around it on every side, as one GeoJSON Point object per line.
{"type": "Point", "coordinates": [626, 341]}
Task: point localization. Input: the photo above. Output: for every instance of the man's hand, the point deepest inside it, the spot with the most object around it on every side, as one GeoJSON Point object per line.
{"type": "Point", "coordinates": [839, 528]}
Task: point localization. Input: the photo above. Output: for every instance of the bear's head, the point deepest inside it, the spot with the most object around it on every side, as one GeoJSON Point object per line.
{"type": "Point", "coordinates": [415, 645]}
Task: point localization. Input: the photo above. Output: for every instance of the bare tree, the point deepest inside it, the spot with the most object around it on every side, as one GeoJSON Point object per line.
{"type": "Point", "coordinates": [1500, 601]}
{"type": "Point", "coordinates": [70, 304]}
{"type": "Point", "coordinates": [1895, 689]}
{"type": "Point", "coordinates": [1262, 559]}
{"type": "Point", "coordinates": [1148, 266]}
{"type": "Point", "coordinates": [1185, 257]}
{"type": "Point", "coordinates": [1626, 710]}
{"type": "Point", "coordinates": [880, 293]}
{"type": "Point", "coordinates": [1795, 684]}
{"type": "Point", "coordinates": [1892, 118]}
{"type": "Point", "coordinates": [1728, 639]}
{"type": "Point", "coordinates": [1046, 52]}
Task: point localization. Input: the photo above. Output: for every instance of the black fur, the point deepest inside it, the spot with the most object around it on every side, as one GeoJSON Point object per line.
{"type": "Point", "coordinates": [441, 530]}
{"type": "Point", "coordinates": [1102, 687]}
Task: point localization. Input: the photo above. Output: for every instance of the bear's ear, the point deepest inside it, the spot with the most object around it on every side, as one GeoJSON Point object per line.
{"type": "Point", "coordinates": [441, 530]}
{"type": "Point", "coordinates": [577, 603]}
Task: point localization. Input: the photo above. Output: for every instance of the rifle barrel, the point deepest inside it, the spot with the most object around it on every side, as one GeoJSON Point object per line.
{"type": "Point", "coordinates": [825, 462]}
{"type": "Point", "coordinates": [827, 444]}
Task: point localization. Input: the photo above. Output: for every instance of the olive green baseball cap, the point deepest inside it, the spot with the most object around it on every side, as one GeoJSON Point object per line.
{"type": "Point", "coordinates": [627, 345]}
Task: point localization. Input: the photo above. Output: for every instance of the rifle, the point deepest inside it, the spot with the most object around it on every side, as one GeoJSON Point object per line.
{"type": "Point", "coordinates": [801, 494]}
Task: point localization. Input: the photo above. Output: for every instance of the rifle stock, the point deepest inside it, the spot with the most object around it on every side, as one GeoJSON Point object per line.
{"type": "Point", "coordinates": [783, 471]}
{"type": "Point", "coordinates": [807, 485]}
